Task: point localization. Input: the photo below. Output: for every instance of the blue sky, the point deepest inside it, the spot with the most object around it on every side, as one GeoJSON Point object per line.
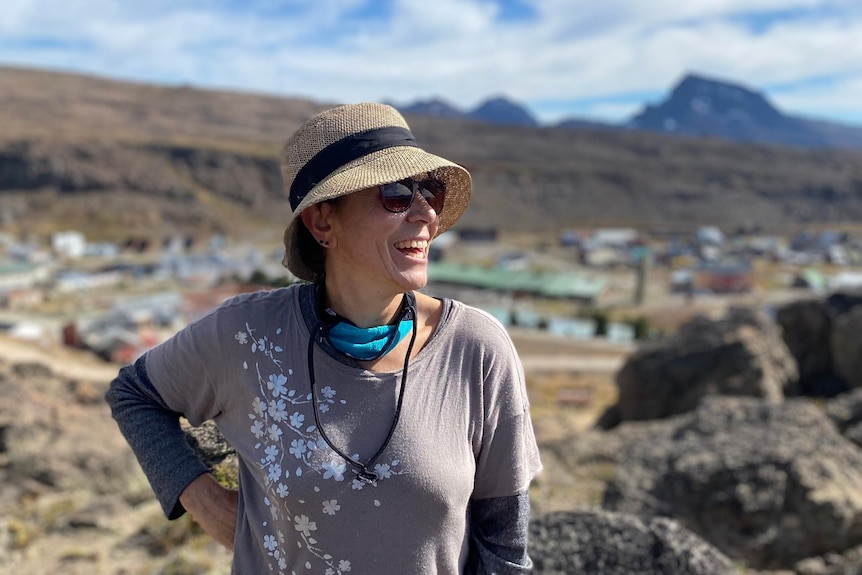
{"type": "Point", "coordinates": [595, 59]}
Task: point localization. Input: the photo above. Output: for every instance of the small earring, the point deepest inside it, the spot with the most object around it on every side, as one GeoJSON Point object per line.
{"type": "Point", "coordinates": [323, 242]}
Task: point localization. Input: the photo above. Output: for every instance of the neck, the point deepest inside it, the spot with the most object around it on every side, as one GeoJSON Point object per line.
{"type": "Point", "coordinates": [363, 309]}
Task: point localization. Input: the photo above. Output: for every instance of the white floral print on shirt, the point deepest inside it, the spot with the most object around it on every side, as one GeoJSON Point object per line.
{"type": "Point", "coordinates": [284, 441]}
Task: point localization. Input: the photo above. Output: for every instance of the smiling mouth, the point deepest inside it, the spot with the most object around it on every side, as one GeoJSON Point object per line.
{"type": "Point", "coordinates": [412, 247]}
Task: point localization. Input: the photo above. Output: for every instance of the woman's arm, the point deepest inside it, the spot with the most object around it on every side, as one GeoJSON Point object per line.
{"type": "Point", "coordinates": [154, 434]}
{"type": "Point", "coordinates": [507, 458]}
{"type": "Point", "coordinates": [213, 507]}
{"type": "Point", "coordinates": [498, 535]}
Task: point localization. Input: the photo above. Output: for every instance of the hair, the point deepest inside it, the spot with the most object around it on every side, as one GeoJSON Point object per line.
{"type": "Point", "coordinates": [313, 255]}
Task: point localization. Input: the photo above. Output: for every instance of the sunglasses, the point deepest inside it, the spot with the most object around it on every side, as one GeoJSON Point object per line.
{"type": "Point", "coordinates": [398, 196]}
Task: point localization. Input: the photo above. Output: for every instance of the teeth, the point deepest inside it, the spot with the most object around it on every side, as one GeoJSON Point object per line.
{"type": "Point", "coordinates": [412, 244]}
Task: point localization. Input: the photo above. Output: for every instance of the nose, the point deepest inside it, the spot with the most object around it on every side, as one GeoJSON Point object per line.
{"type": "Point", "coordinates": [420, 209]}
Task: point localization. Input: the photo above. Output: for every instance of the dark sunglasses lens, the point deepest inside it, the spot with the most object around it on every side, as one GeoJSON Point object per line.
{"type": "Point", "coordinates": [433, 192]}
{"type": "Point", "coordinates": [397, 196]}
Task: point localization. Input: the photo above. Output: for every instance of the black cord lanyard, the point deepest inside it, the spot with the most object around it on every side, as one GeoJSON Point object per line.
{"type": "Point", "coordinates": [361, 469]}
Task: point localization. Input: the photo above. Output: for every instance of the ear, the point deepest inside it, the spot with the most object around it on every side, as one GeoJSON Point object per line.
{"type": "Point", "coordinates": [317, 218]}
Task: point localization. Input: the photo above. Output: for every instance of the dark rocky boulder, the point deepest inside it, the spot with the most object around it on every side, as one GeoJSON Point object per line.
{"type": "Point", "coordinates": [742, 354]}
{"type": "Point", "coordinates": [847, 346]}
{"type": "Point", "coordinates": [768, 484]}
{"type": "Point", "coordinates": [821, 336]}
{"type": "Point", "coordinates": [605, 543]}
{"type": "Point", "coordinates": [839, 303]}
{"type": "Point", "coordinates": [845, 411]}
{"type": "Point", "coordinates": [806, 327]}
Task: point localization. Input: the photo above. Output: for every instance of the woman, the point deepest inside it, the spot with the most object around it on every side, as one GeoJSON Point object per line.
{"type": "Point", "coordinates": [378, 430]}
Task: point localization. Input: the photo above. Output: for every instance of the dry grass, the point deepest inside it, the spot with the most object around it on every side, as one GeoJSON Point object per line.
{"type": "Point", "coordinates": [563, 406]}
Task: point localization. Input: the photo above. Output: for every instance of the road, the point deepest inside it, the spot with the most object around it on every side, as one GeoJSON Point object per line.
{"type": "Point", "coordinates": [541, 351]}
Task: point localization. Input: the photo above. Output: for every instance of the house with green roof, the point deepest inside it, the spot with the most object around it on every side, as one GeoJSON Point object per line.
{"type": "Point", "coordinates": [550, 285]}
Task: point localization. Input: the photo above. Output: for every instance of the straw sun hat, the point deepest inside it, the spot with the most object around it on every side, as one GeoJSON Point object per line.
{"type": "Point", "coordinates": [351, 148]}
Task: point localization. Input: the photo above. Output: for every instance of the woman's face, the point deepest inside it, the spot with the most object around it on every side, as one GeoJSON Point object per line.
{"type": "Point", "coordinates": [373, 247]}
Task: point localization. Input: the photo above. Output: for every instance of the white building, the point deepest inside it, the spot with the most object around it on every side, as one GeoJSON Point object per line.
{"type": "Point", "coordinates": [614, 237]}
{"type": "Point", "coordinates": [78, 281]}
{"type": "Point", "coordinates": [69, 244]}
{"type": "Point", "coordinates": [710, 236]}
{"type": "Point", "coordinates": [846, 280]}
{"type": "Point", "coordinates": [17, 276]}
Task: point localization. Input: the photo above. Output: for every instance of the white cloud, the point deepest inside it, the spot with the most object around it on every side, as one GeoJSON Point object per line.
{"type": "Point", "coordinates": [835, 101]}
{"type": "Point", "coordinates": [458, 49]}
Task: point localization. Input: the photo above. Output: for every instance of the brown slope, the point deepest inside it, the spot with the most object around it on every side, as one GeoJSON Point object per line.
{"type": "Point", "coordinates": [119, 157]}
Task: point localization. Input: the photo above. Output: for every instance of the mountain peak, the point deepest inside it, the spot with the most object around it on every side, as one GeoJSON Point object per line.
{"type": "Point", "coordinates": [698, 105]}
{"type": "Point", "coordinates": [432, 107]}
{"type": "Point", "coordinates": [494, 110]}
{"type": "Point", "coordinates": [697, 78]}
{"type": "Point", "coordinates": [501, 110]}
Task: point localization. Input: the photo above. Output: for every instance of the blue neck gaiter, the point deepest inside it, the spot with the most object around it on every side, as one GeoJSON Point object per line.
{"type": "Point", "coordinates": [367, 343]}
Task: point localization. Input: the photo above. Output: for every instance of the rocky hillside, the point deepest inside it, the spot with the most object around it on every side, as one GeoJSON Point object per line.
{"type": "Point", "coordinates": [72, 498]}
{"type": "Point", "coordinates": [740, 470]}
{"type": "Point", "coordinates": [115, 158]}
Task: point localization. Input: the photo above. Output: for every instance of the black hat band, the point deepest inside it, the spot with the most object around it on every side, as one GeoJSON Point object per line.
{"type": "Point", "coordinates": [342, 152]}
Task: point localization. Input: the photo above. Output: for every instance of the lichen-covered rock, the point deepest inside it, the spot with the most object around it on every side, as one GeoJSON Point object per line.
{"type": "Point", "coordinates": [605, 543]}
{"type": "Point", "coordinates": [208, 443]}
{"type": "Point", "coordinates": [215, 452]}
{"type": "Point", "coordinates": [847, 563]}
{"type": "Point", "coordinates": [845, 411]}
{"type": "Point", "coordinates": [742, 354]}
{"type": "Point", "coordinates": [768, 484]}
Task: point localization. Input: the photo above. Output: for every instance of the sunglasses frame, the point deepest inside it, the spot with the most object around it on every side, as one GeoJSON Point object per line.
{"type": "Point", "coordinates": [418, 186]}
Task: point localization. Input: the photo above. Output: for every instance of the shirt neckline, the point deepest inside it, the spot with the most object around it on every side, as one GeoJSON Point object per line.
{"type": "Point", "coordinates": [307, 307]}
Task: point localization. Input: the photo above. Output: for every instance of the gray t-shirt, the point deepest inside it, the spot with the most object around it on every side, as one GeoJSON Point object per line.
{"type": "Point", "coordinates": [464, 433]}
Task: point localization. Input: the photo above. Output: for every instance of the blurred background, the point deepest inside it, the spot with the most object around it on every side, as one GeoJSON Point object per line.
{"type": "Point", "coordinates": [667, 206]}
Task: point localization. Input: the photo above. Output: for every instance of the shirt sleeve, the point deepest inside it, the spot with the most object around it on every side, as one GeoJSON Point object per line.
{"type": "Point", "coordinates": [188, 369]}
{"type": "Point", "coordinates": [153, 432]}
{"type": "Point", "coordinates": [507, 459]}
{"type": "Point", "coordinates": [498, 536]}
